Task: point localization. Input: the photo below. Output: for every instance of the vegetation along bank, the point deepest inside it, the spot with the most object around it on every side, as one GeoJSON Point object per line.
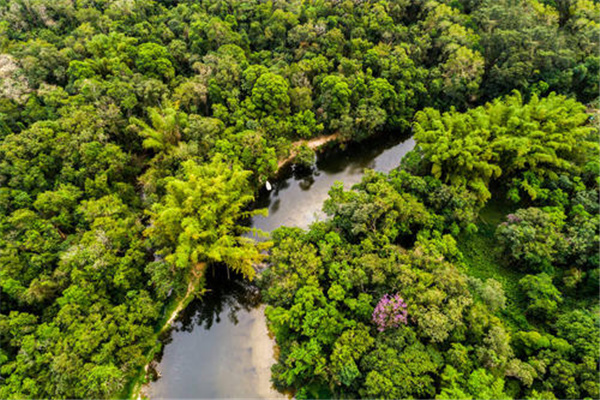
{"type": "Point", "coordinates": [134, 135]}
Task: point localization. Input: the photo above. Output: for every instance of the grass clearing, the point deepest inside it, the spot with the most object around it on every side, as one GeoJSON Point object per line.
{"type": "Point", "coordinates": [484, 259]}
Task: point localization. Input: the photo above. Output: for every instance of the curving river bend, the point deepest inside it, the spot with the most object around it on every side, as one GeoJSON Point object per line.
{"type": "Point", "coordinates": [219, 347]}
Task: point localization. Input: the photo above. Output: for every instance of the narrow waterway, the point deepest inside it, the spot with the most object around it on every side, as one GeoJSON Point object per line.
{"type": "Point", "coordinates": [219, 346]}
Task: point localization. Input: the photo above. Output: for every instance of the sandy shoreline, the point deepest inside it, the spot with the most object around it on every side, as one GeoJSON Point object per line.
{"type": "Point", "coordinates": [312, 144]}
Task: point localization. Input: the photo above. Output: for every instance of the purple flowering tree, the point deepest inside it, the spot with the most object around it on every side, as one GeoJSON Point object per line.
{"type": "Point", "coordinates": [390, 312]}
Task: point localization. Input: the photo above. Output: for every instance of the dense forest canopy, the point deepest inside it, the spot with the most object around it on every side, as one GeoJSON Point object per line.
{"type": "Point", "coordinates": [135, 133]}
{"type": "Point", "coordinates": [526, 329]}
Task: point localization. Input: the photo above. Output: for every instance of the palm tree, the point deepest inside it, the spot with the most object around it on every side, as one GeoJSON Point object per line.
{"type": "Point", "coordinates": [164, 131]}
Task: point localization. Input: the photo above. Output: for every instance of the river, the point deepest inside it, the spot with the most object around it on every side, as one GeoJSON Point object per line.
{"type": "Point", "coordinates": [219, 346]}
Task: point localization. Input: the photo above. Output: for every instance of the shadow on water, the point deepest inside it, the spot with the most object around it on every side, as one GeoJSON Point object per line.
{"type": "Point", "coordinates": [217, 338]}
{"type": "Point", "coordinates": [340, 161]}
{"type": "Point", "coordinates": [354, 158]}
{"type": "Point", "coordinates": [297, 195]}
{"type": "Point", "coordinates": [219, 346]}
{"type": "Point", "coordinates": [227, 296]}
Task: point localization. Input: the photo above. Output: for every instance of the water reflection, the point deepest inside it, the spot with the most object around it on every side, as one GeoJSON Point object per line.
{"type": "Point", "coordinates": [227, 296]}
{"type": "Point", "coordinates": [297, 199]}
{"type": "Point", "coordinates": [219, 347]}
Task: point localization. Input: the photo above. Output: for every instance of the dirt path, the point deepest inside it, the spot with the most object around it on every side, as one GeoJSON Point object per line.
{"type": "Point", "coordinates": [313, 144]}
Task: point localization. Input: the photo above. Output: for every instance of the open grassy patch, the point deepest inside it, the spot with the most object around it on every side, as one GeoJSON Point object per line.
{"type": "Point", "coordinates": [483, 259]}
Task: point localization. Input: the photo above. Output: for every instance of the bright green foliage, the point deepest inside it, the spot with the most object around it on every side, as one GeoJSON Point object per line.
{"type": "Point", "coordinates": [542, 295]}
{"type": "Point", "coordinates": [164, 131]}
{"type": "Point", "coordinates": [111, 111]}
{"type": "Point", "coordinates": [479, 385]}
{"type": "Point", "coordinates": [153, 60]}
{"type": "Point", "coordinates": [458, 150]}
{"type": "Point", "coordinates": [196, 221]}
{"type": "Point", "coordinates": [545, 137]}
{"type": "Point", "coordinates": [532, 238]}
{"type": "Point", "coordinates": [347, 350]}
{"type": "Point", "coordinates": [507, 138]}
{"type": "Point", "coordinates": [400, 371]}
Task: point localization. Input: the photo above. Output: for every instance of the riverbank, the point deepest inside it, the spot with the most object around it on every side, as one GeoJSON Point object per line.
{"type": "Point", "coordinates": [194, 289]}
{"type": "Point", "coordinates": [313, 144]}
{"type": "Point", "coordinates": [141, 381]}
{"type": "Point", "coordinates": [237, 344]}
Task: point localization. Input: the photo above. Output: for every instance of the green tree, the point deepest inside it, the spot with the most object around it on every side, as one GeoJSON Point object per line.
{"type": "Point", "coordinates": [196, 221]}
{"type": "Point", "coordinates": [543, 296]}
{"type": "Point", "coordinates": [270, 95]}
{"type": "Point", "coordinates": [154, 61]}
{"type": "Point", "coordinates": [532, 237]}
{"type": "Point", "coordinates": [165, 129]}
{"type": "Point", "coordinates": [335, 96]}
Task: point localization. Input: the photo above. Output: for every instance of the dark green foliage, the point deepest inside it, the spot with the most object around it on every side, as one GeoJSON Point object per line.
{"type": "Point", "coordinates": [386, 236]}
{"type": "Point", "coordinates": [538, 48]}
{"type": "Point", "coordinates": [124, 117]}
{"type": "Point", "coordinates": [532, 239]}
{"type": "Point", "coordinates": [340, 269]}
{"type": "Point", "coordinates": [322, 290]}
{"type": "Point", "coordinates": [305, 157]}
